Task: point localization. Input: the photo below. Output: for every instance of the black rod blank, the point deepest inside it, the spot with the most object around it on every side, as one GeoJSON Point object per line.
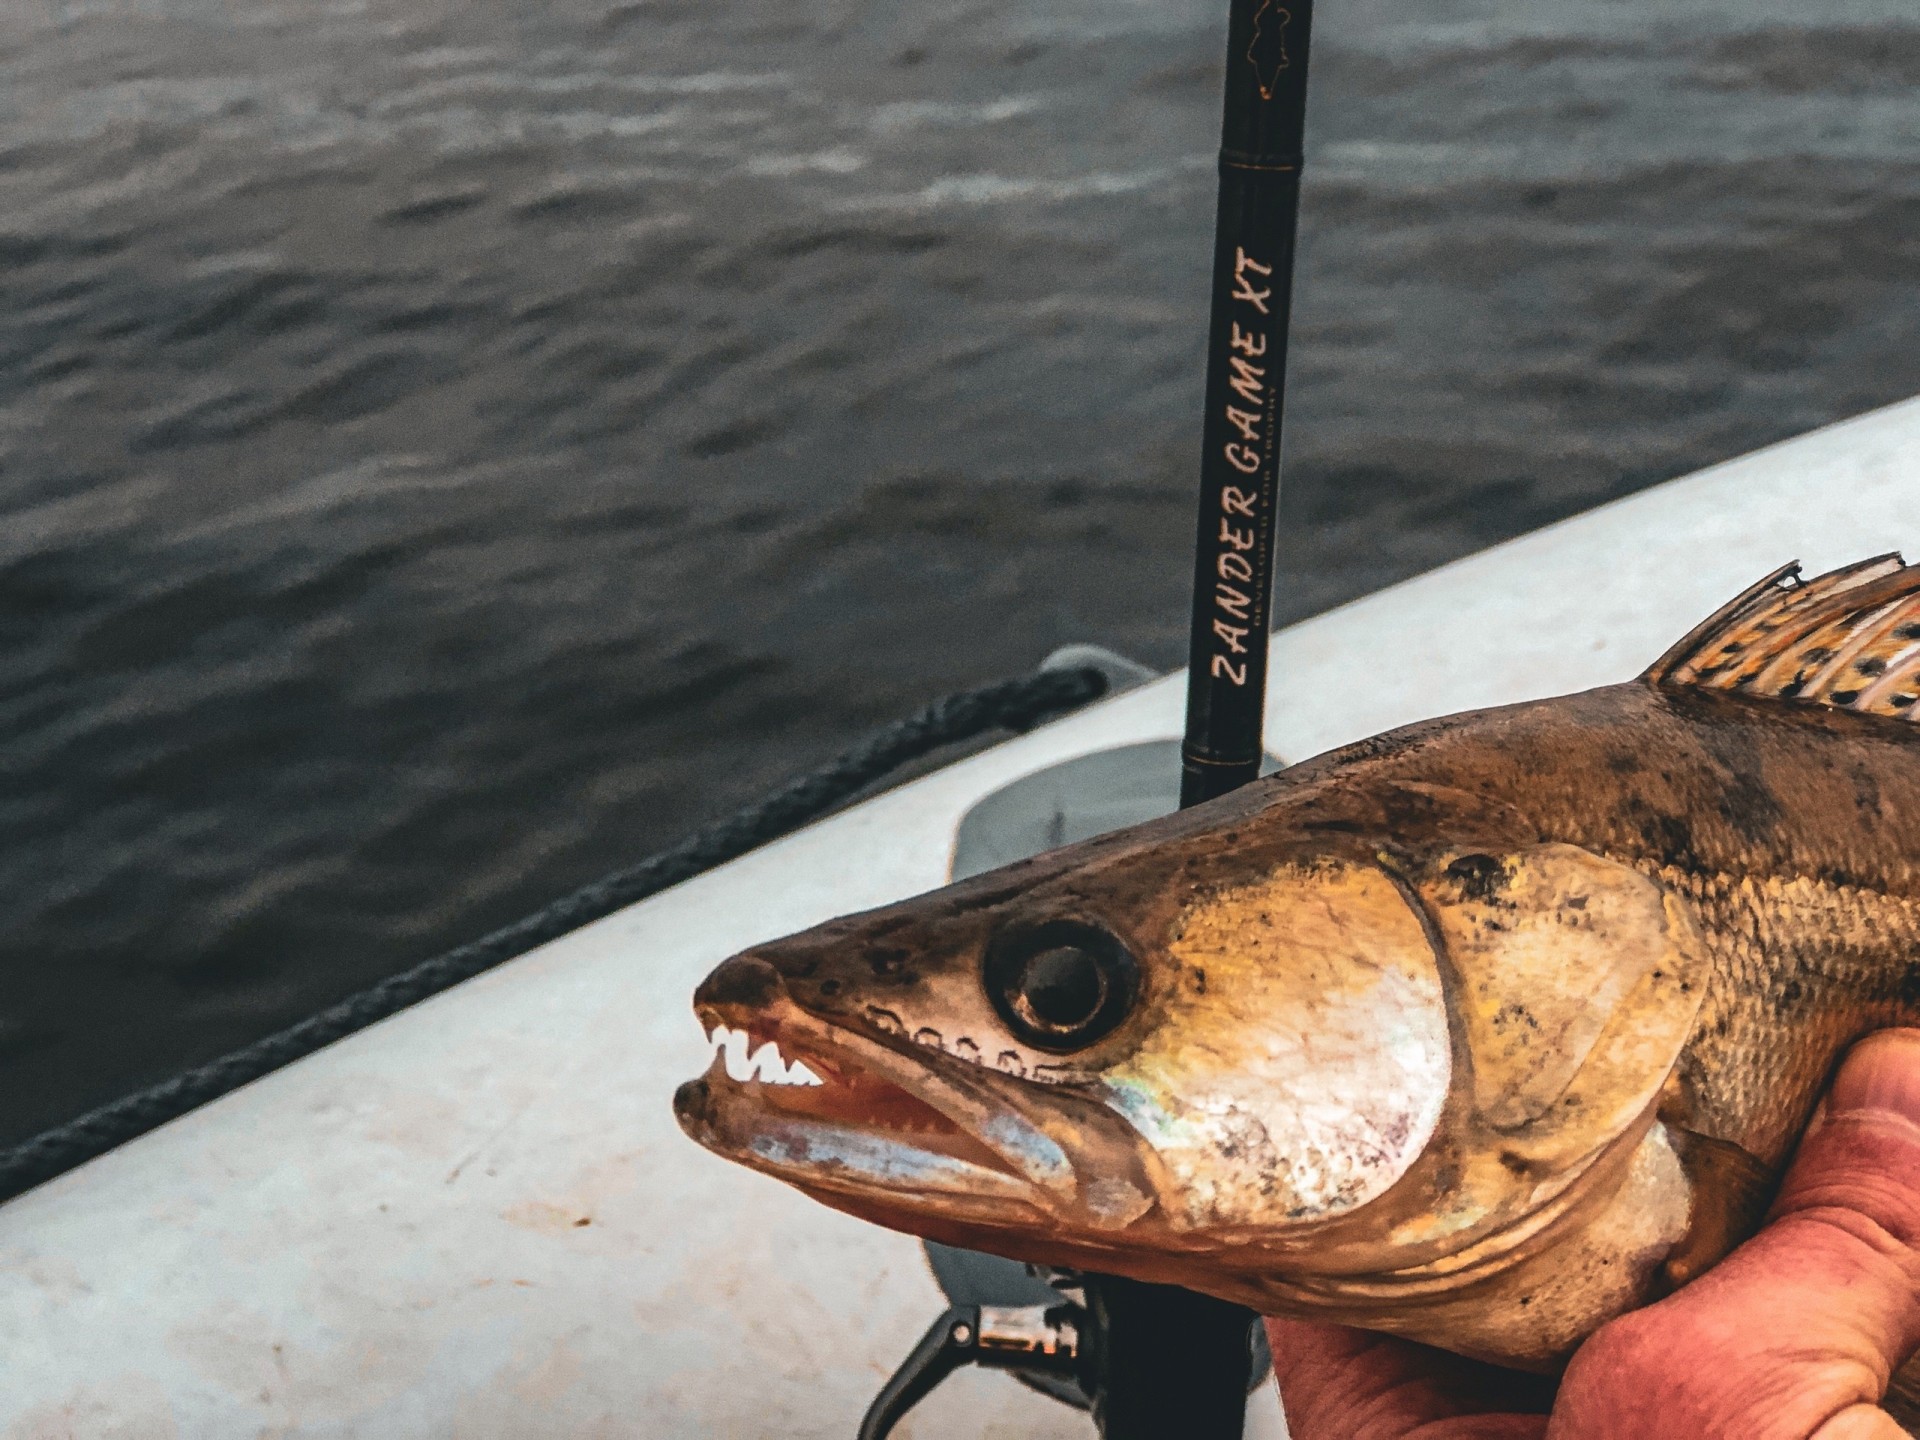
{"type": "Point", "coordinates": [1175, 1363]}
{"type": "Point", "coordinates": [1260, 160]}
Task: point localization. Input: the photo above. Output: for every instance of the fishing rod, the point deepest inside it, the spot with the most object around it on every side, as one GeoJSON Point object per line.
{"type": "Point", "coordinates": [1158, 1362]}
{"type": "Point", "coordinates": [1260, 160]}
{"type": "Point", "coordinates": [1168, 1362]}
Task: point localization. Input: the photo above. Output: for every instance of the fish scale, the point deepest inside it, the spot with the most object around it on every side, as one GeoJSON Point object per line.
{"type": "Point", "coordinates": [1773, 1027]}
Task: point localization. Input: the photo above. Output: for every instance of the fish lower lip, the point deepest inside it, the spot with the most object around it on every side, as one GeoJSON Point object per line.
{"type": "Point", "coordinates": [774, 1132]}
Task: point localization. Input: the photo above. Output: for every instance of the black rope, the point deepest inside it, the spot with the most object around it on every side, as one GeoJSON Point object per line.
{"type": "Point", "coordinates": [1015, 704]}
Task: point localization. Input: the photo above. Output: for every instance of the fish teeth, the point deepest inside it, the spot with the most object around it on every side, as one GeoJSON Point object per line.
{"type": "Point", "coordinates": [764, 1064]}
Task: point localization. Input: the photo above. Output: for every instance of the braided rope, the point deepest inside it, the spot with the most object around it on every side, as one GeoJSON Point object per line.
{"type": "Point", "coordinates": [1015, 704]}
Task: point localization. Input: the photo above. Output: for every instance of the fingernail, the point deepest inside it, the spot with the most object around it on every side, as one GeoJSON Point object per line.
{"type": "Point", "coordinates": [1882, 1072]}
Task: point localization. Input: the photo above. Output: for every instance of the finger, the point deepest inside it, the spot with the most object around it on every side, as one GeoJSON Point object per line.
{"type": "Point", "coordinates": [1338, 1383]}
{"type": "Point", "coordinates": [1801, 1327]}
{"type": "Point", "coordinates": [1861, 1422]}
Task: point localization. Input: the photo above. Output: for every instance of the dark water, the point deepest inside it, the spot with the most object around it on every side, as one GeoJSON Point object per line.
{"type": "Point", "coordinates": [450, 449]}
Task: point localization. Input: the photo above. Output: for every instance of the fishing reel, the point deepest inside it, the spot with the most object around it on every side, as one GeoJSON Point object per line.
{"type": "Point", "coordinates": [1095, 1342]}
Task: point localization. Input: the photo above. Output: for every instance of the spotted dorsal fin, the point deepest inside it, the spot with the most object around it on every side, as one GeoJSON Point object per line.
{"type": "Point", "coordinates": [1849, 639]}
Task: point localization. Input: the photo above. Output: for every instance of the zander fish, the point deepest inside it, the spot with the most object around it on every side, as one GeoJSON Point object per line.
{"type": "Point", "coordinates": [1480, 1032]}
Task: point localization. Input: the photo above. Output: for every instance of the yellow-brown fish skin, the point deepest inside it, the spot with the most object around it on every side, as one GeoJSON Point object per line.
{"type": "Point", "coordinates": [1479, 1032]}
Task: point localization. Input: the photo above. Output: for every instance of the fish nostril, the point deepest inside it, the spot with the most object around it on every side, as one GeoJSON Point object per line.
{"type": "Point", "coordinates": [1061, 985]}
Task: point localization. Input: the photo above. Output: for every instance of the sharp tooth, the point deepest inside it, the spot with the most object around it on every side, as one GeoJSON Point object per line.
{"type": "Point", "coordinates": [733, 1045]}
{"type": "Point", "coordinates": [767, 1065]}
{"type": "Point", "coordinates": [764, 1064]}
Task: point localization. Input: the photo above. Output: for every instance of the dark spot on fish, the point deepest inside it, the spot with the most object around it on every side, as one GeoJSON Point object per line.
{"type": "Point", "coordinates": [1910, 984]}
{"type": "Point", "coordinates": [1747, 804]}
{"type": "Point", "coordinates": [1871, 665]}
{"type": "Point", "coordinates": [1902, 702]}
{"type": "Point", "coordinates": [1791, 992]}
{"type": "Point", "coordinates": [1866, 790]}
{"type": "Point", "coordinates": [1670, 838]}
{"type": "Point", "coordinates": [1818, 654]}
{"type": "Point", "coordinates": [887, 959]}
{"type": "Point", "coordinates": [1793, 687]}
{"type": "Point", "coordinates": [1199, 981]}
{"type": "Point", "coordinates": [1515, 1164]}
{"type": "Point", "coordinates": [1334, 827]}
{"type": "Point", "coordinates": [1514, 1014]}
{"type": "Point", "coordinates": [1481, 877]}
{"type": "Point", "coordinates": [1910, 631]}
{"type": "Point", "coordinates": [829, 987]}
{"type": "Point", "coordinates": [1844, 697]}
{"type": "Point", "coordinates": [1525, 1300]}
{"type": "Point", "coordinates": [1404, 809]}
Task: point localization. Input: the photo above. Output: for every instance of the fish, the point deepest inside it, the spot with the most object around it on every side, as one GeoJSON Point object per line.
{"type": "Point", "coordinates": [1480, 1032]}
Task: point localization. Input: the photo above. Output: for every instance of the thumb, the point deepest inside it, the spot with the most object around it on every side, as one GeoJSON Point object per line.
{"type": "Point", "coordinates": [1797, 1332]}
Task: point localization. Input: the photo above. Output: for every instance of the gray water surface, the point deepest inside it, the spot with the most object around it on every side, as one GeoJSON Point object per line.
{"type": "Point", "coordinates": [449, 450]}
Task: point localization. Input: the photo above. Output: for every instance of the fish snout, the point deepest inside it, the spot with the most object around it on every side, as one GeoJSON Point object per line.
{"type": "Point", "coordinates": [746, 982]}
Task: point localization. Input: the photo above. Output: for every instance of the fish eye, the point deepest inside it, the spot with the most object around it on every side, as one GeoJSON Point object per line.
{"type": "Point", "coordinates": [1061, 985]}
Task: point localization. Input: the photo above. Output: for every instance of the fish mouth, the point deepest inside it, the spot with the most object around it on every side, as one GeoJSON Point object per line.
{"type": "Point", "coordinates": [843, 1115]}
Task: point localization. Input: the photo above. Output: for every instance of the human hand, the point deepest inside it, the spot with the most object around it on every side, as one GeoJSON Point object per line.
{"type": "Point", "coordinates": [1794, 1336]}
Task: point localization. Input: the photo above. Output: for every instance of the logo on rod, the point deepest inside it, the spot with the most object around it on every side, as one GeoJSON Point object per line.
{"type": "Point", "coordinates": [1249, 415]}
{"type": "Point", "coordinates": [1268, 52]}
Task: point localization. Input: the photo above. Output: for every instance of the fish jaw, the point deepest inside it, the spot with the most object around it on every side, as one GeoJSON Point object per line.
{"type": "Point", "coordinates": [899, 1134]}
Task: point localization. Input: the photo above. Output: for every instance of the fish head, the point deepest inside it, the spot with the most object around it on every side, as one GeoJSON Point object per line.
{"type": "Point", "coordinates": [1346, 1043]}
{"type": "Point", "coordinates": [1126, 1055]}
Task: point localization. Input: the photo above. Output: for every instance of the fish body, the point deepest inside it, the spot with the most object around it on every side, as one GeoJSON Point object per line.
{"type": "Point", "coordinates": [1480, 1032]}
